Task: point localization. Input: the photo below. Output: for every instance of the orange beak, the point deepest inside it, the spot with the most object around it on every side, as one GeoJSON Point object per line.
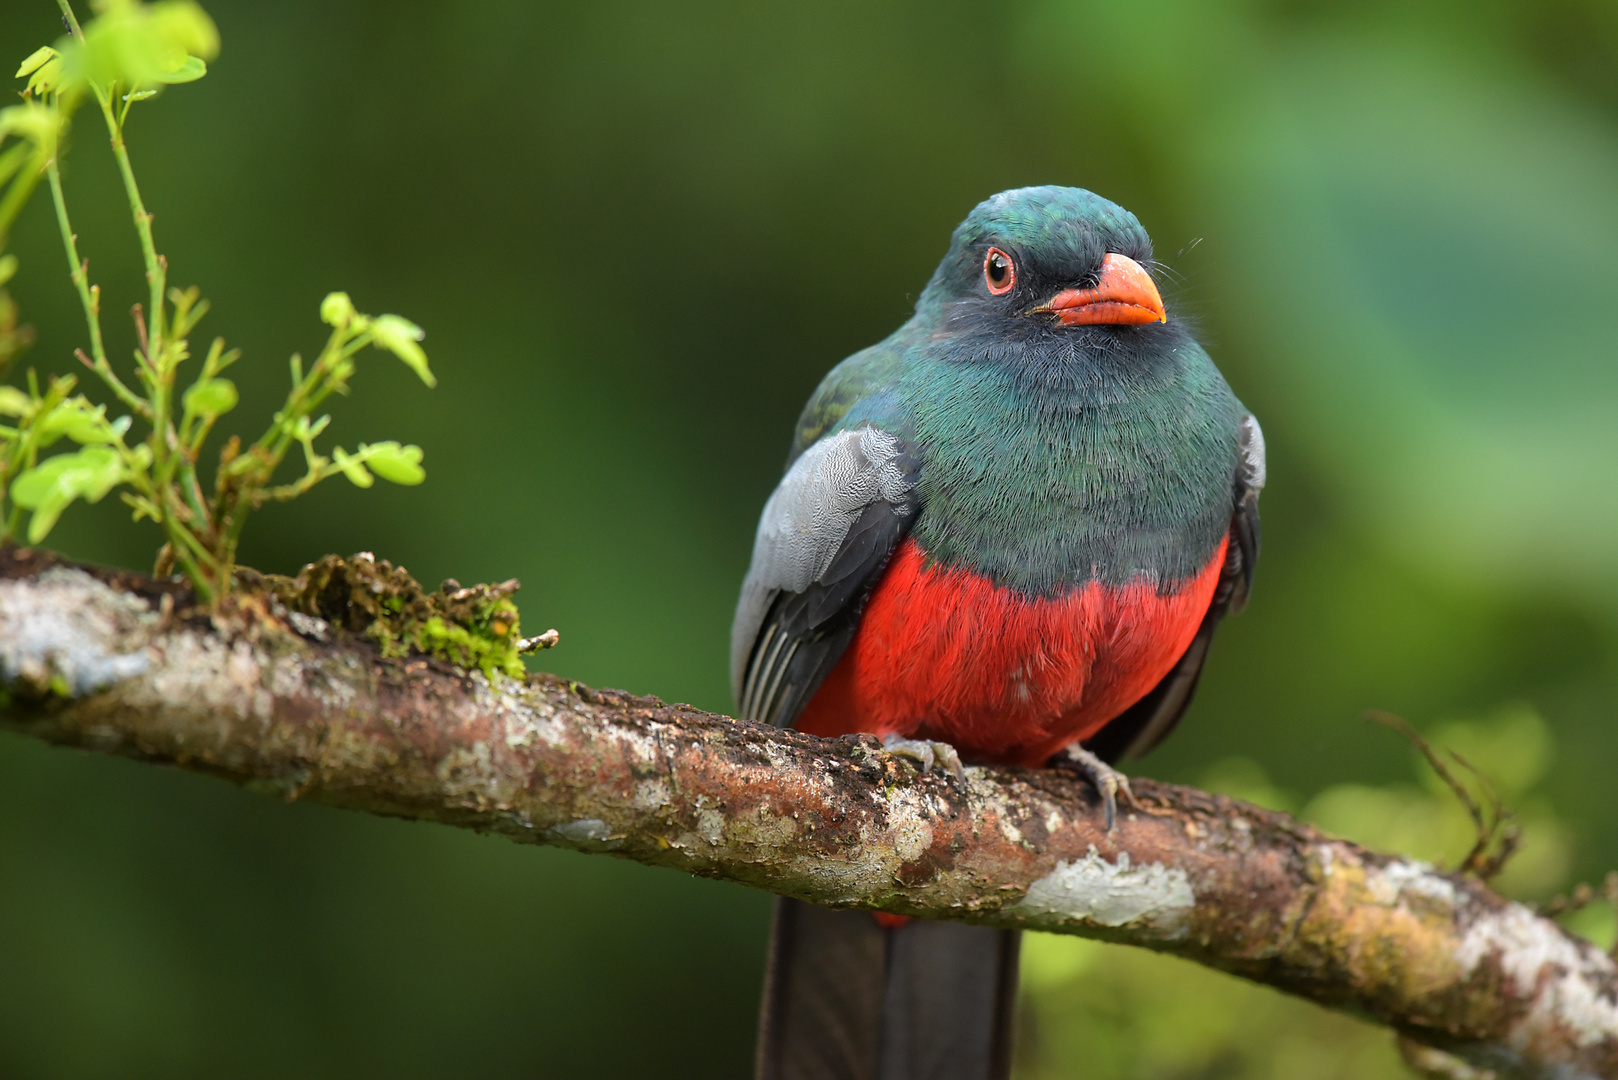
{"type": "Point", "coordinates": [1125, 296]}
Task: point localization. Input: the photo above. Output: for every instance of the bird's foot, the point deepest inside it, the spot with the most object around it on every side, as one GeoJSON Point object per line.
{"type": "Point", "coordinates": [1107, 780]}
{"type": "Point", "coordinates": [926, 753]}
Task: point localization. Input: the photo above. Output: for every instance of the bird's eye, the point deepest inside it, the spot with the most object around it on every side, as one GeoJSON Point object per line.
{"type": "Point", "coordinates": [999, 274]}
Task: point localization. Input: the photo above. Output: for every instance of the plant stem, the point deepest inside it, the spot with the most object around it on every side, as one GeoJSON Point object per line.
{"type": "Point", "coordinates": [199, 580]}
{"type": "Point", "coordinates": [91, 300]}
{"type": "Point", "coordinates": [77, 266]}
{"type": "Point", "coordinates": [72, 19]}
{"type": "Point", "coordinates": [183, 537]}
{"type": "Point", "coordinates": [156, 271]}
{"type": "Point", "coordinates": [156, 268]}
{"type": "Point", "coordinates": [88, 297]}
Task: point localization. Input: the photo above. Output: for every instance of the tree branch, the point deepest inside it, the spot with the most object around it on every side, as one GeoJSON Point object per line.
{"type": "Point", "coordinates": [286, 703]}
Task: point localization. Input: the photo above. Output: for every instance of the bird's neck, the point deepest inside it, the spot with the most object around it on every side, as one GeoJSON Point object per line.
{"type": "Point", "coordinates": [1044, 470]}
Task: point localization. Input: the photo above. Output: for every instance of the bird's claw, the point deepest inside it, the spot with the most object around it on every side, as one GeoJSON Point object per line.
{"type": "Point", "coordinates": [1108, 781]}
{"type": "Point", "coordinates": [926, 753]}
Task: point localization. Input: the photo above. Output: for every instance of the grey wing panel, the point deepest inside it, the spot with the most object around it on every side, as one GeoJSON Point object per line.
{"type": "Point", "coordinates": [824, 537]}
{"type": "Point", "coordinates": [1148, 722]}
{"type": "Point", "coordinates": [808, 631]}
{"type": "Point", "coordinates": [1244, 528]}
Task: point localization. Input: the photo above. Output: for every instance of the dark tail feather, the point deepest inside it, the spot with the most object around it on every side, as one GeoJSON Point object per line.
{"type": "Point", "coordinates": [820, 1019]}
{"type": "Point", "coordinates": [847, 999]}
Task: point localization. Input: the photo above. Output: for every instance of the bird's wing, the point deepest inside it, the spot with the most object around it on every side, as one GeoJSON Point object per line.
{"type": "Point", "coordinates": [1244, 529]}
{"type": "Point", "coordinates": [824, 538]}
{"type": "Point", "coordinates": [1148, 722]}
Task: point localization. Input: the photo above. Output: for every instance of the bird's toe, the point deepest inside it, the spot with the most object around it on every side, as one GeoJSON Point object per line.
{"type": "Point", "coordinates": [926, 753]}
{"type": "Point", "coordinates": [1108, 781]}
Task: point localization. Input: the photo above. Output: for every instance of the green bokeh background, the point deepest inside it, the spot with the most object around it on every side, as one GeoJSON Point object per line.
{"type": "Point", "coordinates": [637, 235]}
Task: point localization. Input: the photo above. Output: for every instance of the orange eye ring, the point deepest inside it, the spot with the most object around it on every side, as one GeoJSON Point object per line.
{"type": "Point", "coordinates": [999, 272]}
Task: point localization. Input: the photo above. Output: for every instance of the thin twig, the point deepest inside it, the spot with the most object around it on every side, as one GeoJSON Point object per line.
{"type": "Point", "coordinates": [1502, 827]}
{"type": "Point", "coordinates": [1477, 861]}
{"type": "Point", "coordinates": [1416, 739]}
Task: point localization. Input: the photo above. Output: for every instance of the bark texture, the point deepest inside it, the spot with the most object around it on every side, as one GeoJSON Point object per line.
{"type": "Point", "coordinates": [286, 703]}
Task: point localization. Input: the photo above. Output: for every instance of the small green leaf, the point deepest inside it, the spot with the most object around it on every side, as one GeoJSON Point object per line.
{"type": "Point", "coordinates": [395, 463]}
{"type": "Point", "coordinates": [185, 25]}
{"type": "Point", "coordinates": [102, 472]}
{"type": "Point", "coordinates": [32, 486]}
{"type": "Point", "coordinates": [88, 473]}
{"type": "Point", "coordinates": [45, 80]}
{"type": "Point", "coordinates": [89, 429]}
{"type": "Point", "coordinates": [36, 60]}
{"type": "Point", "coordinates": [190, 70]}
{"type": "Point", "coordinates": [140, 95]}
{"type": "Point", "coordinates": [52, 485]}
{"type": "Point", "coordinates": [399, 336]}
{"type": "Point", "coordinates": [78, 420]}
{"type": "Point", "coordinates": [14, 402]}
{"type": "Point", "coordinates": [44, 516]}
{"type": "Point", "coordinates": [356, 472]}
{"type": "Point", "coordinates": [8, 267]}
{"type": "Point", "coordinates": [43, 69]}
{"type": "Point", "coordinates": [336, 310]}
{"type": "Point", "coordinates": [210, 398]}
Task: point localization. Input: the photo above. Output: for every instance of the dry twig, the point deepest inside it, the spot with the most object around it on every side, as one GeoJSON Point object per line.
{"type": "Point", "coordinates": [1497, 830]}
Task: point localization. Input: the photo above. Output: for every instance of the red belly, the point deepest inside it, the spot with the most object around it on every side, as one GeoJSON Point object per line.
{"type": "Point", "coordinates": [945, 654]}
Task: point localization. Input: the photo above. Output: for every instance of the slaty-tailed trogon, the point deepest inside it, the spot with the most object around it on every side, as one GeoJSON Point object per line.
{"type": "Point", "coordinates": [1011, 528]}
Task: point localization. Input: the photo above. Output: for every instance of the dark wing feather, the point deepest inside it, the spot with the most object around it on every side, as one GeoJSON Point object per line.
{"type": "Point", "coordinates": [824, 540]}
{"type": "Point", "coordinates": [1148, 722]}
{"type": "Point", "coordinates": [818, 623]}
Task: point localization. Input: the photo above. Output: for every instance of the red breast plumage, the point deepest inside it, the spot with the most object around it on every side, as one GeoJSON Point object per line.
{"type": "Point", "coordinates": [942, 653]}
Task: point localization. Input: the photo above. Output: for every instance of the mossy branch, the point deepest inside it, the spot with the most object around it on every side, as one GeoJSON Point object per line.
{"type": "Point", "coordinates": [291, 689]}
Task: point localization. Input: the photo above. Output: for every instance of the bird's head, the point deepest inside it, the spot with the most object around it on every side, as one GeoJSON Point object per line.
{"type": "Point", "coordinates": [1046, 260]}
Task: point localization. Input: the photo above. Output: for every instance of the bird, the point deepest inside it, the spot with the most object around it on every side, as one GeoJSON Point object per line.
{"type": "Point", "coordinates": [1004, 535]}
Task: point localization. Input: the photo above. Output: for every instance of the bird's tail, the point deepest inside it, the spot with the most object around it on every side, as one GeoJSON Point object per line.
{"type": "Point", "coordinates": [846, 998]}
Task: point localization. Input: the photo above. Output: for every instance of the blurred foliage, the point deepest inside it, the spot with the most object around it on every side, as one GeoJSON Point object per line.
{"type": "Point", "coordinates": [1102, 1012]}
{"type": "Point", "coordinates": [123, 56]}
{"type": "Point", "coordinates": [640, 235]}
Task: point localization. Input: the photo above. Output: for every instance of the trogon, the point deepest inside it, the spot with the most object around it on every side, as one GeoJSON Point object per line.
{"type": "Point", "coordinates": [1005, 534]}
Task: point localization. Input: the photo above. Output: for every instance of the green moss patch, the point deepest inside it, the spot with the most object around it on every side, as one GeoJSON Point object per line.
{"type": "Point", "coordinates": [473, 626]}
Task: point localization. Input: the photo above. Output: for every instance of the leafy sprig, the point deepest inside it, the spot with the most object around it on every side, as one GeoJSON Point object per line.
{"type": "Point", "coordinates": [126, 55]}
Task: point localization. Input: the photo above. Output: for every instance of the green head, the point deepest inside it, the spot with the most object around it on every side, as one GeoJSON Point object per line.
{"type": "Point", "coordinates": [1046, 257]}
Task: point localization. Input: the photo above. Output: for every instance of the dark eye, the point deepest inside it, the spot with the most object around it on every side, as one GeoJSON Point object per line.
{"type": "Point", "coordinates": [999, 274]}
